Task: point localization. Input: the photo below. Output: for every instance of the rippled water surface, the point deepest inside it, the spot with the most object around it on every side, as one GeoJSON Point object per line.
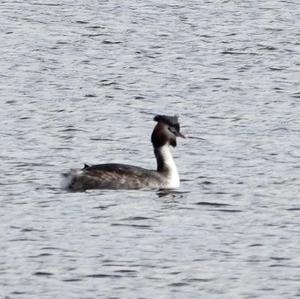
{"type": "Point", "coordinates": [81, 81]}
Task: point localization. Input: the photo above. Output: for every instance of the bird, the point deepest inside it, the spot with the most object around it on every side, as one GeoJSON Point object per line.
{"type": "Point", "coordinates": [124, 176]}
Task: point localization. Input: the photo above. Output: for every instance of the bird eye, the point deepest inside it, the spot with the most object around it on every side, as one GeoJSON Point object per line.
{"type": "Point", "coordinates": [172, 130]}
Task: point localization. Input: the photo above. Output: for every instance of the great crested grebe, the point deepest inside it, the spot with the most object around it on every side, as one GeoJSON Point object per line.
{"type": "Point", "coordinates": [122, 176]}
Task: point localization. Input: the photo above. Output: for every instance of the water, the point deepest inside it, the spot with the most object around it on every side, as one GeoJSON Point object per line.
{"type": "Point", "coordinates": [81, 81]}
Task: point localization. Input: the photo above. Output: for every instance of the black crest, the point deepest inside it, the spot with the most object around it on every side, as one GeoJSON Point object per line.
{"type": "Point", "coordinates": [169, 120]}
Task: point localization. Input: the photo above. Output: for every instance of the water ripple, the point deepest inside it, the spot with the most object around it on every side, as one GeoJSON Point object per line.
{"type": "Point", "coordinates": [81, 82]}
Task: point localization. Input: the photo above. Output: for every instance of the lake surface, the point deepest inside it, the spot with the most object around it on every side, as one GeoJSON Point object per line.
{"type": "Point", "coordinates": [81, 82]}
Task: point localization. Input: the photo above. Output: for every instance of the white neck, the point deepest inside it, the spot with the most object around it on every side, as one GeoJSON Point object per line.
{"type": "Point", "coordinates": [166, 165]}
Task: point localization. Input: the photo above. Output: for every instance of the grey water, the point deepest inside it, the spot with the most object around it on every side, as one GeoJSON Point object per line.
{"type": "Point", "coordinates": [80, 82]}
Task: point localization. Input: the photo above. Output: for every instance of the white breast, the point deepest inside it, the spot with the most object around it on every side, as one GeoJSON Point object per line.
{"type": "Point", "coordinates": [172, 177]}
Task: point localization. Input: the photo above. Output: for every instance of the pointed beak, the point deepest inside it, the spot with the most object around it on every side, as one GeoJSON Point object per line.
{"type": "Point", "coordinates": [178, 134]}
